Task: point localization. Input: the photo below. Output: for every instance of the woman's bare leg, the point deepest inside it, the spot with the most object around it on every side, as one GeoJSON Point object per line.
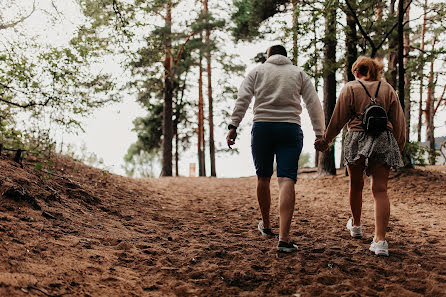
{"type": "Point", "coordinates": [356, 173]}
{"type": "Point", "coordinates": [380, 177]}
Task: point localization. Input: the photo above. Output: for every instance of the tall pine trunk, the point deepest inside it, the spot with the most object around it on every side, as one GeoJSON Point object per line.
{"type": "Point", "coordinates": [393, 52]}
{"type": "Point", "coordinates": [406, 43]}
{"type": "Point", "coordinates": [175, 133]}
{"type": "Point", "coordinates": [420, 103]}
{"type": "Point", "coordinates": [201, 159]}
{"type": "Point", "coordinates": [401, 69]}
{"type": "Point", "coordinates": [316, 79]}
{"type": "Point", "coordinates": [351, 41]}
{"type": "Point", "coordinates": [177, 155]}
{"type": "Point", "coordinates": [429, 111]}
{"type": "Point", "coordinates": [327, 158]}
{"type": "Point", "coordinates": [210, 98]}
{"type": "Point", "coordinates": [295, 29]}
{"type": "Point", "coordinates": [168, 98]}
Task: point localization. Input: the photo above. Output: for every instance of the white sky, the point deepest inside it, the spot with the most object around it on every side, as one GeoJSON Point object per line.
{"type": "Point", "coordinates": [108, 130]}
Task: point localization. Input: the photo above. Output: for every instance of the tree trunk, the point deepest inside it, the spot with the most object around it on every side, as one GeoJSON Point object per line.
{"type": "Point", "coordinates": [210, 98]}
{"type": "Point", "coordinates": [175, 133]}
{"type": "Point", "coordinates": [378, 19]}
{"type": "Point", "coordinates": [168, 95]}
{"type": "Point", "coordinates": [420, 103]}
{"type": "Point", "coordinates": [351, 41]}
{"type": "Point", "coordinates": [429, 111]}
{"type": "Point", "coordinates": [401, 69]}
{"type": "Point", "coordinates": [327, 159]}
{"type": "Point", "coordinates": [177, 157]}
{"type": "Point", "coordinates": [201, 159]}
{"type": "Point", "coordinates": [406, 42]}
{"type": "Point", "coordinates": [316, 80]}
{"type": "Point", "coordinates": [295, 28]}
{"type": "Point", "coordinates": [393, 53]}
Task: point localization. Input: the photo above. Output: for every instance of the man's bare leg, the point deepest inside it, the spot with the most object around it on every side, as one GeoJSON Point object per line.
{"type": "Point", "coordinates": [287, 198]}
{"type": "Point", "coordinates": [264, 198]}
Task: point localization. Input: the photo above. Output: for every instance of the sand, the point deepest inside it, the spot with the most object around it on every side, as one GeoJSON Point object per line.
{"type": "Point", "coordinates": [80, 231]}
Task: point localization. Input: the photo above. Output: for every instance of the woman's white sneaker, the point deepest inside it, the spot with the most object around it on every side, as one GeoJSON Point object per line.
{"type": "Point", "coordinates": [380, 248]}
{"type": "Point", "coordinates": [355, 231]}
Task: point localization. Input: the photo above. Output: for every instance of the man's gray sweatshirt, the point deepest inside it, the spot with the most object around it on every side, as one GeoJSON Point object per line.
{"type": "Point", "coordinates": [278, 87]}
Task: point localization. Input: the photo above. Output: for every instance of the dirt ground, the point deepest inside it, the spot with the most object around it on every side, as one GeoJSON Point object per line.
{"type": "Point", "coordinates": [79, 231]}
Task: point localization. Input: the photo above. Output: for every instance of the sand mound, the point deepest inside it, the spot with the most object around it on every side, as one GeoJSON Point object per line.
{"type": "Point", "coordinates": [79, 231]}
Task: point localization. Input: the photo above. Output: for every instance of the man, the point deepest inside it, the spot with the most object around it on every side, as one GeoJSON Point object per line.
{"type": "Point", "coordinates": [278, 87]}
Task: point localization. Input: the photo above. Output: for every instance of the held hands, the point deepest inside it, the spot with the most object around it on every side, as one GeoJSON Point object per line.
{"type": "Point", "coordinates": [230, 138]}
{"type": "Point", "coordinates": [320, 144]}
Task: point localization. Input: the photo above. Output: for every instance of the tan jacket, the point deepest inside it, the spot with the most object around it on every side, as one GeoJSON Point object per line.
{"type": "Point", "coordinates": [353, 98]}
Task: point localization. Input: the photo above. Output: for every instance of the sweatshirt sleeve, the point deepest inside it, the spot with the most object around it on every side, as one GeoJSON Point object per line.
{"type": "Point", "coordinates": [396, 117]}
{"type": "Point", "coordinates": [313, 105]}
{"type": "Point", "coordinates": [341, 114]}
{"type": "Point", "coordinates": [245, 94]}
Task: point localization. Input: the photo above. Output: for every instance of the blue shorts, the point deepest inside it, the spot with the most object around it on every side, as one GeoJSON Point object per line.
{"type": "Point", "coordinates": [285, 140]}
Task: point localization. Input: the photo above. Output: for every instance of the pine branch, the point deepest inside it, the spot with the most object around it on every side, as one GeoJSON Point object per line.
{"type": "Point", "coordinates": [10, 25]}
{"type": "Point", "coordinates": [440, 100]}
{"type": "Point", "coordinates": [355, 17]}
{"type": "Point", "coordinates": [366, 36]}
{"type": "Point", "coordinates": [417, 48]}
{"type": "Point", "coordinates": [28, 105]}
{"type": "Point", "coordinates": [180, 51]}
{"type": "Point", "coordinates": [118, 13]}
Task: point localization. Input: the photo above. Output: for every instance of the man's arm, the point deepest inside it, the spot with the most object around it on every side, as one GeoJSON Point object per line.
{"type": "Point", "coordinates": [245, 94]}
{"type": "Point", "coordinates": [313, 105]}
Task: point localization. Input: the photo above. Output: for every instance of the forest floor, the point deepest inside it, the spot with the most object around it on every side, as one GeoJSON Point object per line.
{"type": "Point", "coordinates": [80, 231]}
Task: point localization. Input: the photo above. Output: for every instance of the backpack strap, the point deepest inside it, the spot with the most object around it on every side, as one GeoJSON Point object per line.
{"type": "Point", "coordinates": [367, 91]}
{"type": "Point", "coordinates": [377, 90]}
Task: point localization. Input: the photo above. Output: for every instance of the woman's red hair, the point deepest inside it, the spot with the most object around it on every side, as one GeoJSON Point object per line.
{"type": "Point", "coordinates": [369, 68]}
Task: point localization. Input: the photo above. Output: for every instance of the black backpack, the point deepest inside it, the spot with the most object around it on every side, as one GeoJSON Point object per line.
{"type": "Point", "coordinates": [374, 117]}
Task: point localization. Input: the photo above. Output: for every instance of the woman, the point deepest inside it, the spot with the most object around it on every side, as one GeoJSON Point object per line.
{"type": "Point", "coordinates": [364, 152]}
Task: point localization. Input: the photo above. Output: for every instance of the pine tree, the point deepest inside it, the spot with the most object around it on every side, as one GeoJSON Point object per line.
{"type": "Point", "coordinates": [327, 158]}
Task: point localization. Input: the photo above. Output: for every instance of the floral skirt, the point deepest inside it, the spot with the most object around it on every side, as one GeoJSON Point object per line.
{"type": "Point", "coordinates": [382, 148]}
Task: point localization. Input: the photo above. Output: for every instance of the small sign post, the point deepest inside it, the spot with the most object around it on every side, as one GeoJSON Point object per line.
{"type": "Point", "coordinates": [192, 170]}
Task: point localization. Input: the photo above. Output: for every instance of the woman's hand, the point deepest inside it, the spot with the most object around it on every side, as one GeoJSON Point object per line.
{"type": "Point", "coordinates": [320, 144]}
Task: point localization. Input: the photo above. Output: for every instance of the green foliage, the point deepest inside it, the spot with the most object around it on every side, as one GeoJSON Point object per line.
{"type": "Point", "coordinates": [45, 85]}
{"type": "Point", "coordinates": [149, 130]}
{"type": "Point", "coordinates": [140, 163]}
{"type": "Point", "coordinates": [304, 160]}
{"type": "Point", "coordinates": [251, 13]}
{"type": "Point", "coordinates": [416, 152]}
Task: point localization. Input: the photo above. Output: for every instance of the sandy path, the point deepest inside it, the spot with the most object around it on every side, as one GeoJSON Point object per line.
{"type": "Point", "coordinates": [115, 236]}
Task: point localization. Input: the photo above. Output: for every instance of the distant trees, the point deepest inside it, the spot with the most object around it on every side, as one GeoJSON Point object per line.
{"type": "Point", "coordinates": [57, 84]}
{"type": "Point", "coordinates": [169, 57]}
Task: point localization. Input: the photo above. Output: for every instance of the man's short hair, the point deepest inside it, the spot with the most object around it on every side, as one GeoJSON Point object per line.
{"type": "Point", "coordinates": [277, 50]}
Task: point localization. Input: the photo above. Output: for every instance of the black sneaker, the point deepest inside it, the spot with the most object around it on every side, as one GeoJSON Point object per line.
{"type": "Point", "coordinates": [286, 247]}
{"type": "Point", "coordinates": [265, 231]}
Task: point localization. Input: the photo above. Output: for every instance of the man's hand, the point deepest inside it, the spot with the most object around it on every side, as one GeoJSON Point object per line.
{"type": "Point", "coordinates": [230, 139]}
{"type": "Point", "coordinates": [320, 144]}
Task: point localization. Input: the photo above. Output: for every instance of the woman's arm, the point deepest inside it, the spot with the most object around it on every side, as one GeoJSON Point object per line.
{"type": "Point", "coordinates": [341, 114]}
{"type": "Point", "coordinates": [396, 117]}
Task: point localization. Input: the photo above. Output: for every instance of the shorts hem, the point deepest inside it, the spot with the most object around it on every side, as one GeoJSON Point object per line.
{"type": "Point", "coordinates": [293, 178]}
